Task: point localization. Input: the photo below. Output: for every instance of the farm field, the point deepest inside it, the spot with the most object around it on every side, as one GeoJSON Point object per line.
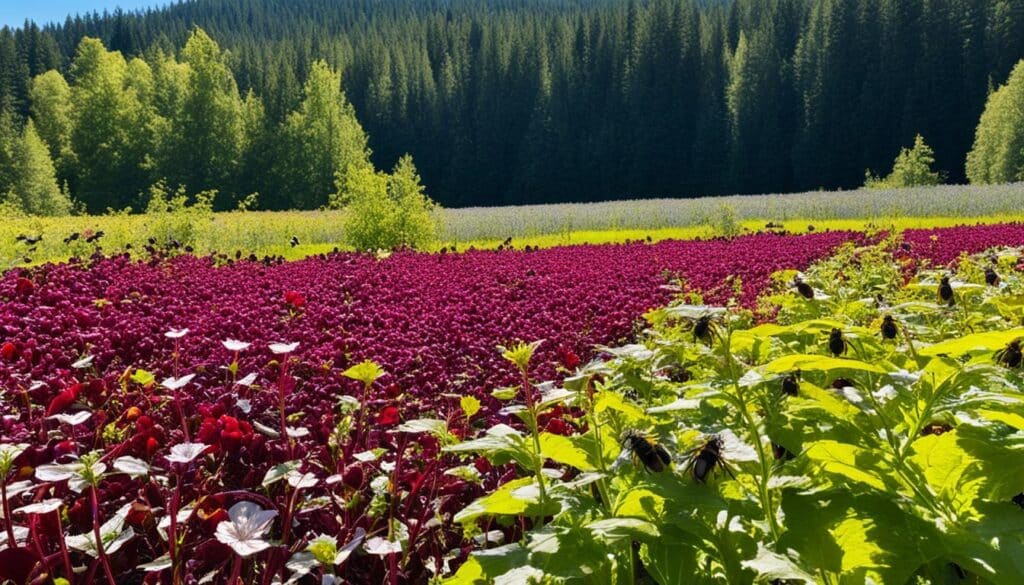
{"type": "Point", "coordinates": [269, 233]}
{"type": "Point", "coordinates": [462, 416]}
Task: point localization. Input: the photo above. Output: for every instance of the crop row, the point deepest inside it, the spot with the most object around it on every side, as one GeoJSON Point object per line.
{"type": "Point", "coordinates": [267, 398]}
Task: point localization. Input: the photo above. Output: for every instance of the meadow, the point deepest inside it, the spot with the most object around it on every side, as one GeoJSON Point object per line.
{"type": "Point", "coordinates": [732, 409]}
{"type": "Point", "coordinates": [270, 233]}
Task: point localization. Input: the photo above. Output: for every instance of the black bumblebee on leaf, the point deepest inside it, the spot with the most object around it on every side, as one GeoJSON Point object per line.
{"type": "Point", "coordinates": [991, 276]}
{"type": "Point", "coordinates": [946, 291]}
{"type": "Point", "coordinates": [1010, 356]}
{"type": "Point", "coordinates": [646, 450]}
{"type": "Point", "coordinates": [805, 290]}
{"type": "Point", "coordinates": [836, 342]}
{"type": "Point", "coordinates": [889, 329]}
{"type": "Point", "coordinates": [704, 329]}
{"type": "Point", "coordinates": [705, 458]}
{"type": "Point", "coordinates": [791, 383]}
{"type": "Point", "coordinates": [781, 453]}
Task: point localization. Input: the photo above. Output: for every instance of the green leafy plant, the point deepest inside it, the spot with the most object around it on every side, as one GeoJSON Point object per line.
{"type": "Point", "coordinates": [896, 459]}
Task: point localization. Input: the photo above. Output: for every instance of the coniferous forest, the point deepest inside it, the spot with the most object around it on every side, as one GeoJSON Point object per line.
{"type": "Point", "coordinates": [502, 101]}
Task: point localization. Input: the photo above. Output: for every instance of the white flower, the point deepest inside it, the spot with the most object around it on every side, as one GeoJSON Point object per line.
{"type": "Point", "coordinates": [244, 404]}
{"type": "Point", "coordinates": [281, 348]}
{"type": "Point", "coordinates": [131, 466]}
{"type": "Point", "coordinates": [176, 333]}
{"type": "Point", "coordinates": [296, 432]}
{"type": "Point", "coordinates": [186, 452]}
{"type": "Point", "coordinates": [248, 380]}
{"type": "Point", "coordinates": [885, 394]}
{"type": "Point", "coordinates": [181, 517]}
{"type": "Point", "coordinates": [243, 532]}
{"type": "Point", "coordinates": [177, 383]}
{"type": "Point", "coordinates": [77, 474]}
{"type": "Point", "coordinates": [72, 419]}
{"type": "Point", "coordinates": [301, 480]}
{"type": "Point", "coordinates": [83, 363]}
{"type": "Point", "coordinates": [382, 547]}
{"type": "Point", "coordinates": [235, 345]}
{"type": "Point", "coordinates": [111, 534]}
{"type": "Point", "coordinates": [44, 507]}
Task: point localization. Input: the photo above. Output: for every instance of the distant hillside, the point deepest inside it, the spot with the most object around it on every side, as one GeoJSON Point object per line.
{"type": "Point", "coordinates": [515, 101]}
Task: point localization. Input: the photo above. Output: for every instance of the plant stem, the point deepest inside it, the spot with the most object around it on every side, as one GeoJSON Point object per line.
{"type": "Point", "coordinates": [766, 470]}
{"type": "Point", "coordinates": [11, 542]}
{"type": "Point", "coordinates": [64, 549]}
{"type": "Point", "coordinates": [100, 547]}
{"type": "Point", "coordinates": [181, 416]}
{"type": "Point", "coordinates": [236, 571]}
{"type": "Point", "coordinates": [538, 460]}
{"type": "Point", "coordinates": [172, 531]}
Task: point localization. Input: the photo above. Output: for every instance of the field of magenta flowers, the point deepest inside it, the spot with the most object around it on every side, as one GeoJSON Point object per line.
{"type": "Point", "coordinates": [183, 409]}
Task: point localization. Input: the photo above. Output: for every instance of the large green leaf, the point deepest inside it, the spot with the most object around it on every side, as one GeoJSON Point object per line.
{"type": "Point", "coordinates": [989, 341]}
{"type": "Point", "coordinates": [859, 537]}
{"type": "Point", "coordinates": [672, 559]}
{"type": "Point", "coordinates": [517, 497]}
{"type": "Point", "coordinates": [944, 464]}
{"type": "Point", "coordinates": [848, 461]}
{"type": "Point", "coordinates": [572, 451]}
{"type": "Point", "coordinates": [818, 363]}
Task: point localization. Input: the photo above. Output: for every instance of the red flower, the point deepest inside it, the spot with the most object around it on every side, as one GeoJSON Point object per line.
{"type": "Point", "coordinates": [558, 426]}
{"type": "Point", "coordinates": [24, 286]}
{"type": "Point", "coordinates": [64, 400]}
{"type": "Point", "coordinates": [295, 299]}
{"type": "Point", "coordinates": [152, 446]}
{"type": "Point", "coordinates": [353, 477]}
{"type": "Point", "coordinates": [225, 433]}
{"type": "Point", "coordinates": [569, 359]}
{"type": "Point", "coordinates": [388, 416]}
{"type": "Point", "coordinates": [8, 351]}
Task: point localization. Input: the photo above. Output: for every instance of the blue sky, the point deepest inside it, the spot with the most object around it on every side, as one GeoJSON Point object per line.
{"type": "Point", "coordinates": [14, 12]}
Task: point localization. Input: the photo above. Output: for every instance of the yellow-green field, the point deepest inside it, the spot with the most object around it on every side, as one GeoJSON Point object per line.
{"type": "Point", "coordinates": [266, 233]}
{"type": "Point", "coordinates": [269, 233]}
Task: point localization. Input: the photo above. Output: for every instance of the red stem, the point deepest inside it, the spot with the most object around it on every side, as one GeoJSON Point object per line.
{"type": "Point", "coordinates": [181, 415]}
{"type": "Point", "coordinates": [100, 549]}
{"type": "Point", "coordinates": [236, 571]}
{"type": "Point", "coordinates": [172, 532]}
{"type": "Point", "coordinates": [64, 549]}
{"type": "Point", "coordinates": [11, 542]}
{"type": "Point", "coordinates": [36, 541]}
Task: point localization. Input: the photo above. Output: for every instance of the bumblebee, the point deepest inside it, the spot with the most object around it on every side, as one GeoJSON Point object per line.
{"type": "Point", "coordinates": [935, 428]}
{"type": "Point", "coordinates": [644, 449]}
{"type": "Point", "coordinates": [889, 329]}
{"type": "Point", "coordinates": [1018, 499]}
{"type": "Point", "coordinates": [1010, 356]}
{"type": "Point", "coordinates": [781, 453]}
{"type": "Point", "coordinates": [704, 329]}
{"type": "Point", "coordinates": [791, 383]}
{"type": "Point", "coordinates": [991, 277]}
{"type": "Point", "coordinates": [946, 291]}
{"type": "Point", "coordinates": [840, 383]}
{"type": "Point", "coordinates": [836, 343]}
{"type": "Point", "coordinates": [805, 290]}
{"type": "Point", "coordinates": [705, 458]}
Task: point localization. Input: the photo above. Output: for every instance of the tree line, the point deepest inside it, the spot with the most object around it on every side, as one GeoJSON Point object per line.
{"type": "Point", "coordinates": [516, 101]}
